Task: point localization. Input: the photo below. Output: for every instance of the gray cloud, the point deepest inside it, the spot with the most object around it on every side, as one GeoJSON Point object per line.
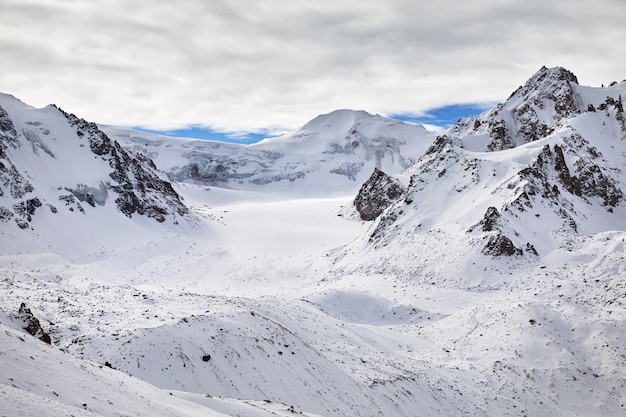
{"type": "Point", "coordinates": [251, 65]}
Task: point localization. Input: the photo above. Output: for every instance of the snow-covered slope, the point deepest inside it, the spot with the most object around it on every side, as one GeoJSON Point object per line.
{"type": "Point", "coordinates": [489, 282]}
{"type": "Point", "coordinates": [62, 179]}
{"type": "Point", "coordinates": [42, 380]}
{"type": "Point", "coordinates": [332, 154]}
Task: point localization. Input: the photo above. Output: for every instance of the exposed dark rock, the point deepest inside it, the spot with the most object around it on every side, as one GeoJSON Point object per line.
{"type": "Point", "coordinates": [500, 245]}
{"type": "Point", "coordinates": [5, 214]}
{"type": "Point", "coordinates": [589, 183]}
{"type": "Point", "coordinates": [32, 324]}
{"type": "Point", "coordinates": [440, 143]}
{"type": "Point", "coordinates": [21, 223]}
{"type": "Point", "coordinates": [27, 208]}
{"type": "Point", "coordinates": [99, 142]}
{"type": "Point", "coordinates": [490, 219]}
{"type": "Point", "coordinates": [17, 184]}
{"type": "Point", "coordinates": [592, 182]}
{"type": "Point", "coordinates": [531, 127]}
{"type": "Point", "coordinates": [376, 194]}
{"type": "Point", "coordinates": [570, 183]}
{"type": "Point", "coordinates": [500, 137]}
{"type": "Point", "coordinates": [531, 249]}
{"type": "Point", "coordinates": [550, 181]}
{"type": "Point", "coordinates": [8, 134]}
{"type": "Point", "coordinates": [531, 113]}
{"type": "Point", "coordinates": [140, 190]}
{"type": "Point", "coordinates": [71, 203]}
{"type": "Point", "coordinates": [385, 223]}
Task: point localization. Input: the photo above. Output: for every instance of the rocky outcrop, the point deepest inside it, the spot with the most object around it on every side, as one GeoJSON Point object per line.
{"type": "Point", "coordinates": [32, 325]}
{"type": "Point", "coordinates": [10, 178]}
{"type": "Point", "coordinates": [550, 175]}
{"type": "Point", "coordinates": [500, 245]}
{"type": "Point", "coordinates": [376, 194]}
{"type": "Point", "coordinates": [8, 134]}
{"type": "Point", "coordinates": [140, 190]}
{"type": "Point", "coordinates": [490, 222]}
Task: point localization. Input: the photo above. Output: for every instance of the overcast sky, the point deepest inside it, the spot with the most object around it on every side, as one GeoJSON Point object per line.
{"type": "Point", "coordinates": [262, 65]}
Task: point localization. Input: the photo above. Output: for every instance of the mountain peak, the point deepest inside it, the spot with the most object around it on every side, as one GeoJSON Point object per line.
{"type": "Point", "coordinates": [50, 158]}
{"type": "Point", "coordinates": [532, 112]}
{"type": "Point", "coordinates": [562, 171]}
{"type": "Point", "coordinates": [553, 74]}
{"type": "Point", "coordinates": [342, 121]}
{"type": "Point", "coordinates": [334, 153]}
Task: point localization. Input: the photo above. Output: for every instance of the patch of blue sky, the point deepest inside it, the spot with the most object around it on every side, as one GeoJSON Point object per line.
{"type": "Point", "coordinates": [445, 116]}
{"type": "Point", "coordinates": [442, 117]}
{"type": "Point", "coordinates": [209, 134]}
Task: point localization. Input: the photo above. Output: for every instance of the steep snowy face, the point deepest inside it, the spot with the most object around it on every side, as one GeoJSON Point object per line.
{"type": "Point", "coordinates": [534, 191]}
{"type": "Point", "coordinates": [333, 153]}
{"type": "Point", "coordinates": [56, 164]}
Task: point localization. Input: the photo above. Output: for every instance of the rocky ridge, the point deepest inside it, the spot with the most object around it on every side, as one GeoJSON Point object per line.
{"type": "Point", "coordinates": [43, 164]}
{"type": "Point", "coordinates": [533, 111]}
{"type": "Point", "coordinates": [548, 167]}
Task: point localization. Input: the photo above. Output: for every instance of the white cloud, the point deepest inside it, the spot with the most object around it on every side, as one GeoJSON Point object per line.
{"type": "Point", "coordinates": [248, 65]}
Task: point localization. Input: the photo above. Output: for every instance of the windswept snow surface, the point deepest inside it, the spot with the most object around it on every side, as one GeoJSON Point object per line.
{"type": "Point", "coordinates": [277, 302]}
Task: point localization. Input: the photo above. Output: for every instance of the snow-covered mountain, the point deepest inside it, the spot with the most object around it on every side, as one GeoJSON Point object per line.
{"type": "Point", "coordinates": [524, 202]}
{"type": "Point", "coordinates": [477, 273]}
{"type": "Point", "coordinates": [332, 154]}
{"type": "Point", "coordinates": [552, 166]}
{"type": "Point", "coordinates": [59, 173]}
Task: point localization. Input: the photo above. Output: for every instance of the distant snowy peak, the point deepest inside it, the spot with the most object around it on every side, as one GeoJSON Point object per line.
{"type": "Point", "coordinates": [340, 124]}
{"type": "Point", "coordinates": [55, 162]}
{"type": "Point", "coordinates": [333, 153]}
{"type": "Point", "coordinates": [353, 143]}
{"type": "Point", "coordinates": [537, 109]}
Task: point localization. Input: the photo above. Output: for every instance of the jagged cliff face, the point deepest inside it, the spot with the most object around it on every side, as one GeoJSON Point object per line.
{"type": "Point", "coordinates": [555, 167]}
{"type": "Point", "coordinates": [54, 163]}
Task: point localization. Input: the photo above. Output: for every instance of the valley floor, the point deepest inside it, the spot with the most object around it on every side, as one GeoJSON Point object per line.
{"type": "Point", "coordinates": [270, 306]}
